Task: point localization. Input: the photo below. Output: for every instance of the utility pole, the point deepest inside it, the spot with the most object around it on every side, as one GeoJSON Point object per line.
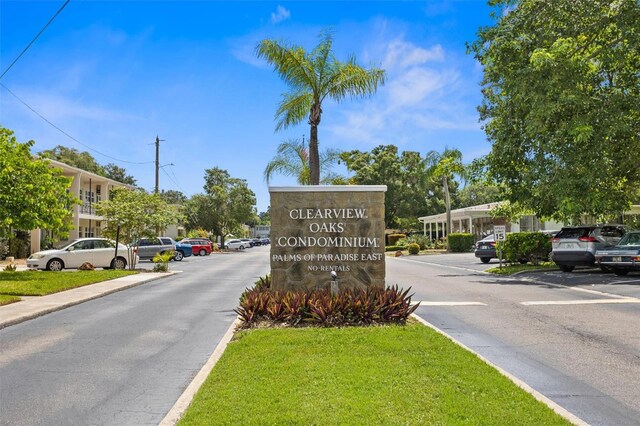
{"type": "Point", "coordinates": [158, 163]}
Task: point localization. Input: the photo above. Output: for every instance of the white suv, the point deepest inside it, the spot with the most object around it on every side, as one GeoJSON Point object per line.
{"type": "Point", "coordinates": [576, 246]}
{"type": "Point", "coordinates": [236, 244]}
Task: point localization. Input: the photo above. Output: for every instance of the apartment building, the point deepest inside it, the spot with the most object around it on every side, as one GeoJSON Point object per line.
{"type": "Point", "coordinates": [90, 188]}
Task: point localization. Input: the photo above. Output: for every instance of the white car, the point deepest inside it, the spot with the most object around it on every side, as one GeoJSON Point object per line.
{"type": "Point", "coordinates": [100, 252]}
{"type": "Point", "coordinates": [236, 244]}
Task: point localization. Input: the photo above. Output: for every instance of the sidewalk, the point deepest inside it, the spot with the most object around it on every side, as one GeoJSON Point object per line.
{"type": "Point", "coordinates": [33, 307]}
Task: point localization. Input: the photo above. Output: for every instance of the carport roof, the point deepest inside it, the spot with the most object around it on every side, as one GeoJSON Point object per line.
{"type": "Point", "coordinates": [481, 210]}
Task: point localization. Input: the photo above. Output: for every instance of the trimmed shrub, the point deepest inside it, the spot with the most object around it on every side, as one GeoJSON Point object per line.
{"type": "Point", "coordinates": [392, 239]}
{"type": "Point", "coordinates": [461, 243]}
{"type": "Point", "coordinates": [373, 305]}
{"type": "Point", "coordinates": [525, 247]}
{"type": "Point", "coordinates": [413, 248]}
{"type": "Point", "coordinates": [395, 248]}
{"type": "Point", "coordinates": [419, 239]}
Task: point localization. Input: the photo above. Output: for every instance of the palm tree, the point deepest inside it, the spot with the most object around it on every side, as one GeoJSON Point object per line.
{"type": "Point", "coordinates": [292, 159]}
{"type": "Point", "coordinates": [312, 77]}
{"type": "Point", "coordinates": [446, 166]}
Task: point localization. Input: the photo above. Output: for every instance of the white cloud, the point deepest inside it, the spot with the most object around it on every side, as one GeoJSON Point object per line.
{"type": "Point", "coordinates": [280, 15]}
{"type": "Point", "coordinates": [401, 55]}
{"type": "Point", "coordinates": [426, 91]}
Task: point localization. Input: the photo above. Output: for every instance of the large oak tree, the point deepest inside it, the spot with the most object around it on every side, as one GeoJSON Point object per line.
{"type": "Point", "coordinates": [561, 104]}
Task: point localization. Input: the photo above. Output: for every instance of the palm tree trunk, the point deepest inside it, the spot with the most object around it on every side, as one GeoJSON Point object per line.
{"type": "Point", "coordinates": [314, 157]}
{"type": "Point", "coordinates": [447, 201]}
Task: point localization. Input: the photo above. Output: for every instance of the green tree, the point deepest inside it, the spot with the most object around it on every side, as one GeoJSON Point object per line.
{"type": "Point", "coordinates": [312, 77]}
{"type": "Point", "coordinates": [404, 175]}
{"type": "Point", "coordinates": [561, 104]}
{"type": "Point", "coordinates": [173, 197]}
{"type": "Point", "coordinates": [137, 213]}
{"type": "Point", "coordinates": [33, 195]}
{"type": "Point", "coordinates": [73, 157]}
{"type": "Point", "coordinates": [265, 217]}
{"type": "Point", "coordinates": [292, 159]}
{"type": "Point", "coordinates": [85, 161]}
{"type": "Point", "coordinates": [445, 167]}
{"type": "Point", "coordinates": [199, 213]}
{"type": "Point", "coordinates": [228, 202]}
{"type": "Point", "coordinates": [115, 172]}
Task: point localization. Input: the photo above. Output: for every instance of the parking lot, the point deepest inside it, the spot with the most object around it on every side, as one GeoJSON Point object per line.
{"type": "Point", "coordinates": [588, 278]}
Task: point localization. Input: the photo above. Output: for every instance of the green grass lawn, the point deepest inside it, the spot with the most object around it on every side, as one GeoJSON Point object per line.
{"type": "Point", "coordinates": [390, 375]}
{"type": "Point", "coordinates": [39, 283]}
{"type": "Point", "coordinates": [6, 299]}
{"type": "Point", "coordinates": [509, 269]}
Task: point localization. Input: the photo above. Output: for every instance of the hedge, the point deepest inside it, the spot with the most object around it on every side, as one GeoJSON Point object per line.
{"type": "Point", "coordinates": [525, 247]}
{"type": "Point", "coordinates": [460, 243]}
{"type": "Point", "coordinates": [392, 239]}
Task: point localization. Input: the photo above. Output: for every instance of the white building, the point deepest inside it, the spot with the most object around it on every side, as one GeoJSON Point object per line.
{"type": "Point", "coordinates": [477, 220]}
{"type": "Point", "coordinates": [90, 188]}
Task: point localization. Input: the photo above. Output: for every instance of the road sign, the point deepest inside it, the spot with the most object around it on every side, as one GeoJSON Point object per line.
{"type": "Point", "coordinates": [500, 232]}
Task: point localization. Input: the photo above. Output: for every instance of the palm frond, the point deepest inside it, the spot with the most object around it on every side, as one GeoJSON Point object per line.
{"type": "Point", "coordinates": [290, 62]}
{"type": "Point", "coordinates": [293, 109]}
{"type": "Point", "coordinates": [352, 80]}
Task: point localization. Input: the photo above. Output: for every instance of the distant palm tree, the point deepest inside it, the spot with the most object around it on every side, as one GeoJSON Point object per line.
{"type": "Point", "coordinates": [292, 159]}
{"type": "Point", "coordinates": [446, 166]}
{"type": "Point", "coordinates": [312, 77]}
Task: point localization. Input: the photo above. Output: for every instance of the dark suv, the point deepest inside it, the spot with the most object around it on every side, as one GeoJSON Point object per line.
{"type": "Point", "coordinates": [576, 246]}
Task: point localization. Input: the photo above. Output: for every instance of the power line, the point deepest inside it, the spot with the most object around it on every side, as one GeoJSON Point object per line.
{"type": "Point", "coordinates": [35, 38]}
{"type": "Point", "coordinates": [171, 179]}
{"type": "Point", "coordinates": [67, 134]}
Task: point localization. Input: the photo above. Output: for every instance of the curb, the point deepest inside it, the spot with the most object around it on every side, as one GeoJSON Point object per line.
{"type": "Point", "coordinates": [17, 319]}
{"type": "Point", "coordinates": [563, 412]}
{"type": "Point", "coordinates": [181, 405]}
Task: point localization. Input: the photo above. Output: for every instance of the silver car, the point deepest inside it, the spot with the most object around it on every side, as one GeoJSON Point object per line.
{"type": "Point", "coordinates": [624, 257]}
{"type": "Point", "coordinates": [577, 246]}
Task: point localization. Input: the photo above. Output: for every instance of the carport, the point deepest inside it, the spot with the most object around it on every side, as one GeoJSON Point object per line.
{"type": "Point", "coordinates": [473, 220]}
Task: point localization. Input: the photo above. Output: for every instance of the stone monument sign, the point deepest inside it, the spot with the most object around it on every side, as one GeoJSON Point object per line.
{"type": "Point", "coordinates": [317, 230]}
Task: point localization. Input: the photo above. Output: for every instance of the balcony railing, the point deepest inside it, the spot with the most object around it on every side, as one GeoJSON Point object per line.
{"type": "Point", "coordinates": [87, 208]}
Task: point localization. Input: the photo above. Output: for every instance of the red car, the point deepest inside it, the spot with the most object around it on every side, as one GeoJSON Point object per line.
{"type": "Point", "coordinates": [200, 246]}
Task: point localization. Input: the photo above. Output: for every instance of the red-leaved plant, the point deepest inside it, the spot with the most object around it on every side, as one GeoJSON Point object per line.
{"type": "Point", "coordinates": [373, 305]}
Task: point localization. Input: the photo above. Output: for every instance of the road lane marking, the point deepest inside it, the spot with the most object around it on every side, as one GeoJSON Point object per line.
{"type": "Point", "coordinates": [441, 265]}
{"type": "Point", "coordinates": [581, 302]}
{"type": "Point", "coordinates": [430, 303]}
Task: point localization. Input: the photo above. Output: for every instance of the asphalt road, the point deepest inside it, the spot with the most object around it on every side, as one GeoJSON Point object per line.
{"type": "Point", "coordinates": [573, 337]}
{"type": "Point", "coordinates": [123, 359]}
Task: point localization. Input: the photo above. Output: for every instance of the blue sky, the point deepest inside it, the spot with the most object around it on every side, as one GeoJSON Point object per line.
{"type": "Point", "coordinates": [114, 74]}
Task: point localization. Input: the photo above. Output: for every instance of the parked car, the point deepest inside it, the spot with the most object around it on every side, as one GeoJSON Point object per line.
{"type": "Point", "coordinates": [100, 252]}
{"type": "Point", "coordinates": [486, 249]}
{"type": "Point", "coordinates": [149, 247]}
{"type": "Point", "coordinates": [623, 257]}
{"type": "Point", "coordinates": [200, 246]}
{"type": "Point", "coordinates": [256, 241]}
{"type": "Point", "coordinates": [247, 241]}
{"type": "Point", "coordinates": [236, 244]}
{"type": "Point", "coordinates": [577, 246]}
{"type": "Point", "coordinates": [182, 250]}
{"type": "Point", "coordinates": [266, 241]}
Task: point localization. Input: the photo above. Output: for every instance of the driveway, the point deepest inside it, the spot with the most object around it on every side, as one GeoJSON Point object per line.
{"type": "Point", "coordinates": [576, 344]}
{"type": "Point", "coordinates": [125, 358]}
{"type": "Point", "coordinates": [587, 278]}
